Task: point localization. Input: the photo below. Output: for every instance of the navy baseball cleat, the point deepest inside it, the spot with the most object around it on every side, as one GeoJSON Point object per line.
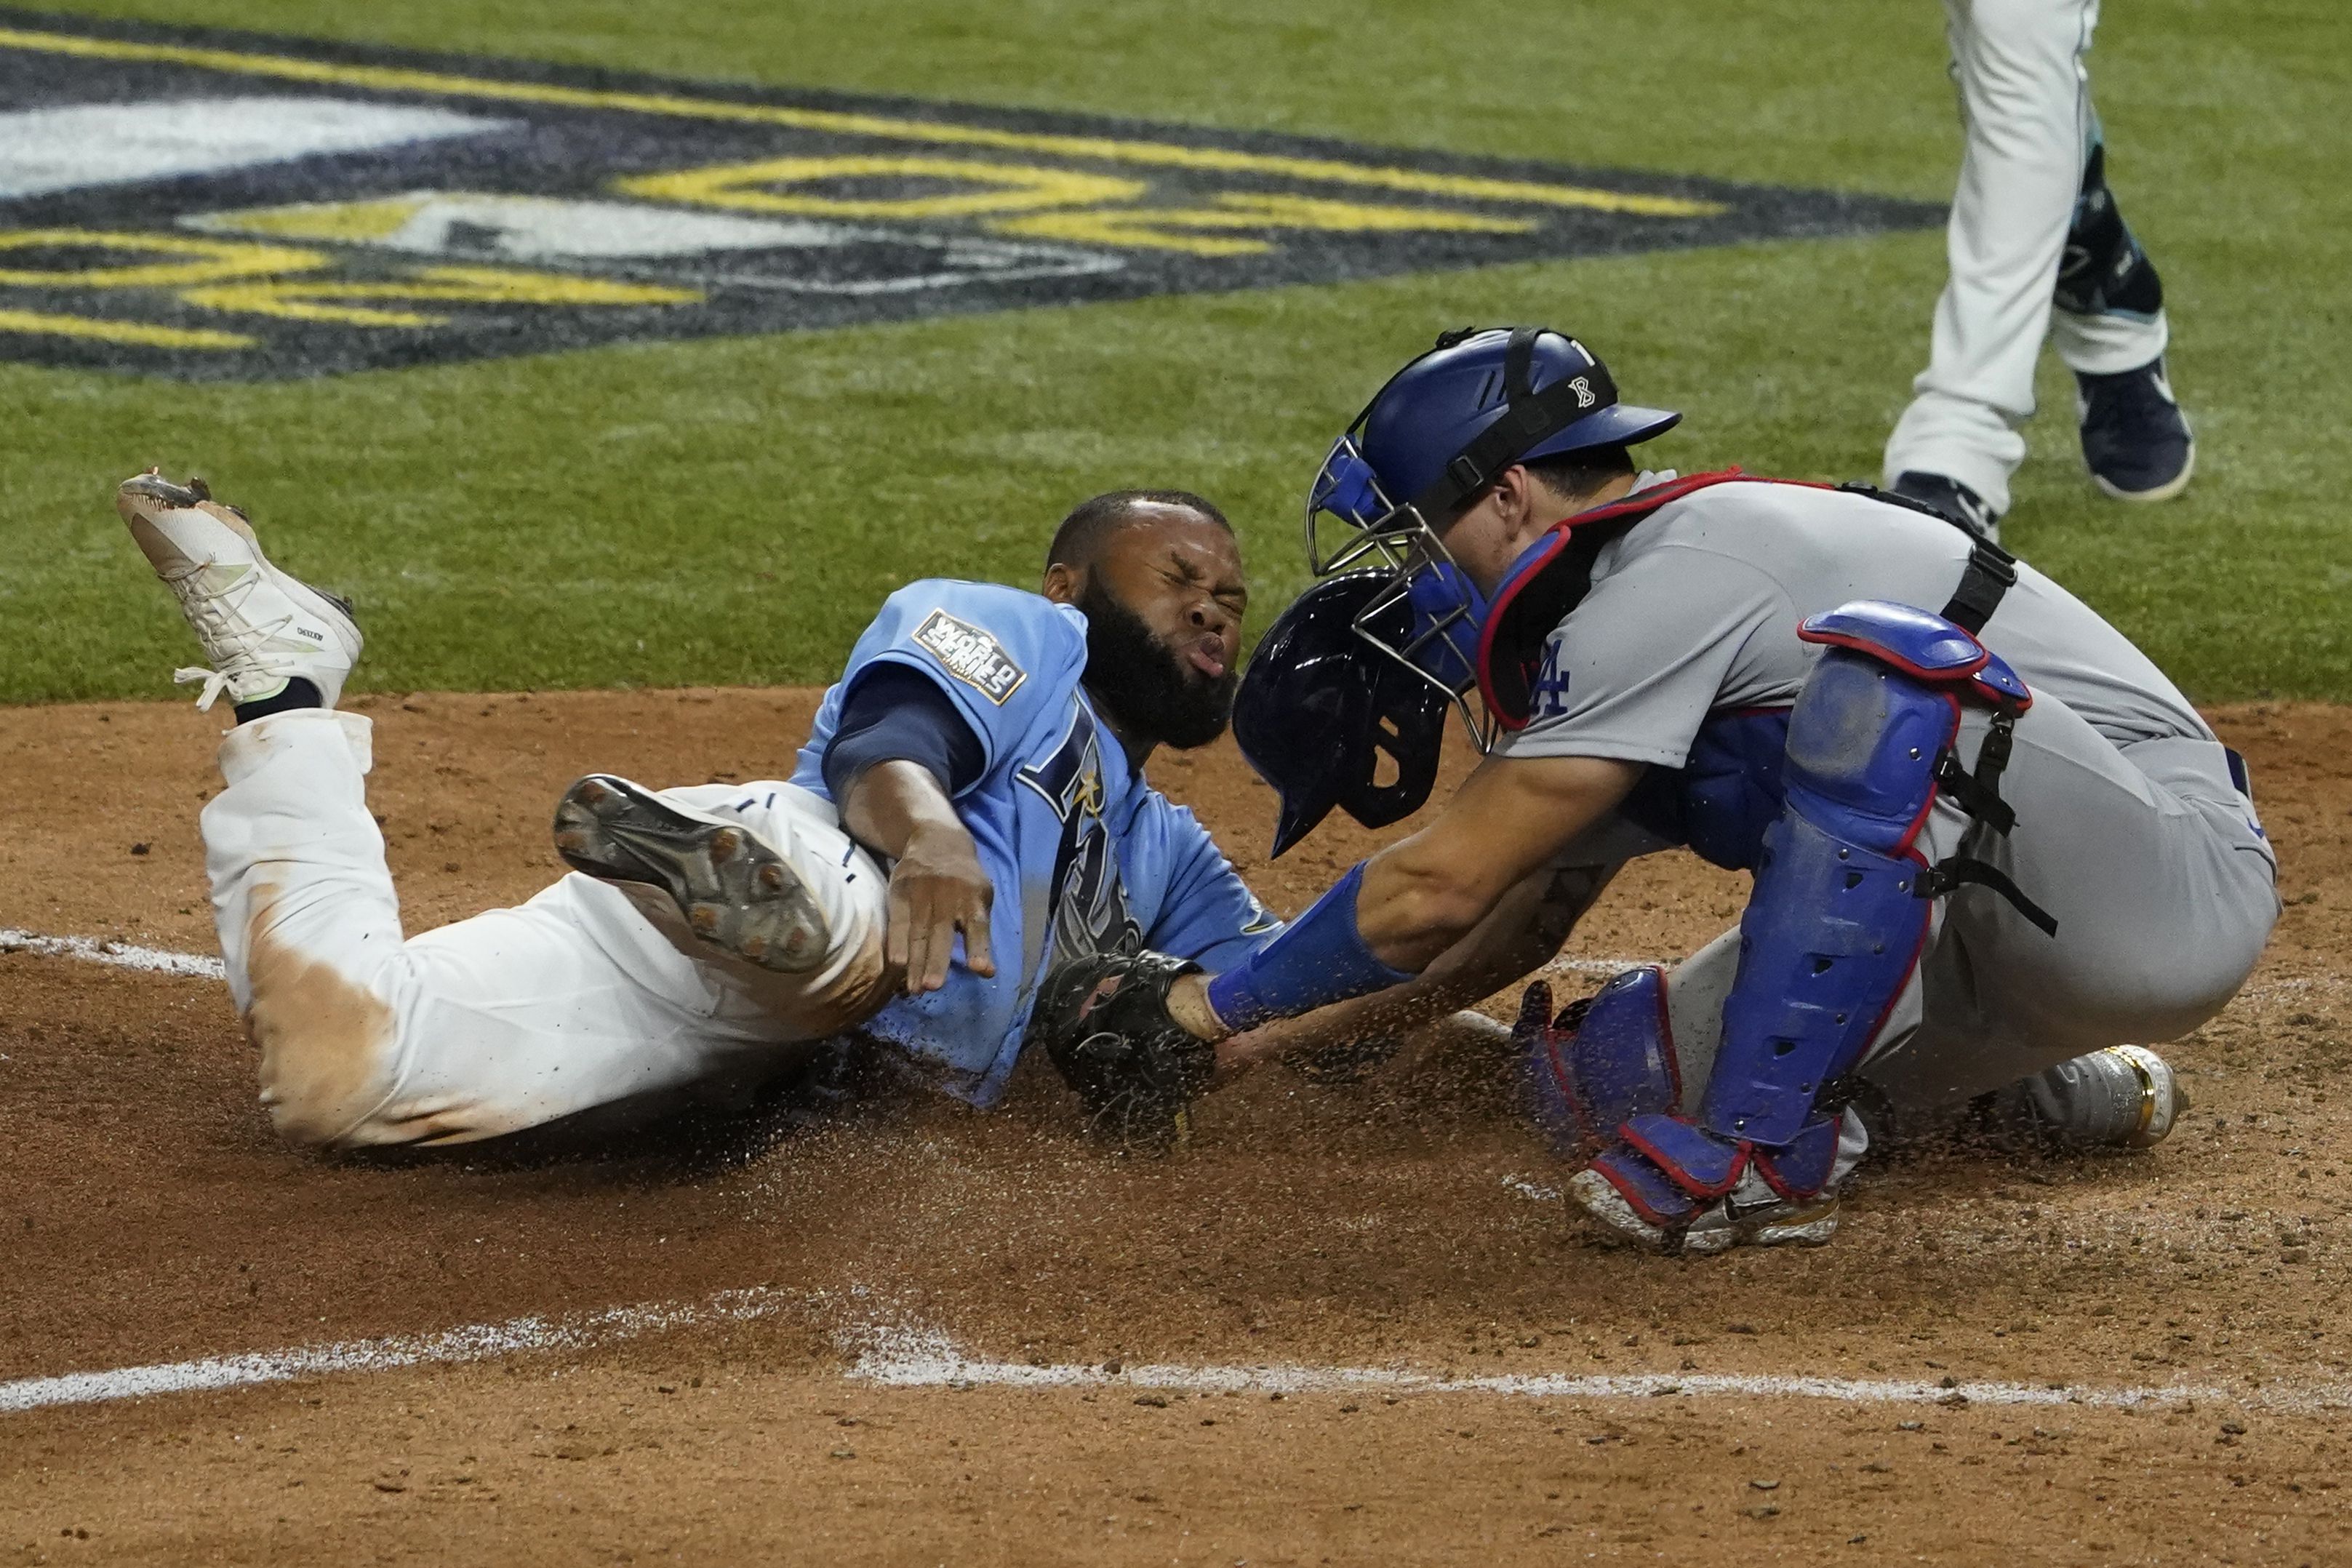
{"type": "Point", "coordinates": [2135, 441]}
{"type": "Point", "coordinates": [735, 892]}
{"type": "Point", "coordinates": [1953, 499]}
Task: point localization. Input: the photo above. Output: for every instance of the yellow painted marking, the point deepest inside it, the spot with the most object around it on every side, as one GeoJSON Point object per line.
{"type": "Point", "coordinates": [302, 302]}
{"type": "Point", "coordinates": [1216, 160]}
{"type": "Point", "coordinates": [215, 259]}
{"type": "Point", "coordinates": [1138, 227]}
{"type": "Point", "coordinates": [306, 299]}
{"type": "Point", "coordinates": [1003, 187]}
{"type": "Point", "coordinates": [343, 223]}
{"type": "Point", "coordinates": [145, 335]}
{"type": "Point", "coordinates": [1163, 228]}
{"type": "Point", "coordinates": [514, 286]}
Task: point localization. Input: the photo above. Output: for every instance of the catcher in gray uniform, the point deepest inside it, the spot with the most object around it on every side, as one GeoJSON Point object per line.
{"type": "Point", "coordinates": [1992, 842]}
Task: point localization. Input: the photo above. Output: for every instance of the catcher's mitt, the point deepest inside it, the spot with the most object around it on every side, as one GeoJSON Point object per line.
{"type": "Point", "coordinates": [1104, 1021]}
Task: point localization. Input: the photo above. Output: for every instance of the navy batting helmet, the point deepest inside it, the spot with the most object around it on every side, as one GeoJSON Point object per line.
{"type": "Point", "coordinates": [1316, 714]}
{"type": "Point", "coordinates": [1439, 432]}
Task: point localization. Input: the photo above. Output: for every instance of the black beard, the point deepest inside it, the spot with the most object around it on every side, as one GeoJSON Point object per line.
{"type": "Point", "coordinates": [1147, 691]}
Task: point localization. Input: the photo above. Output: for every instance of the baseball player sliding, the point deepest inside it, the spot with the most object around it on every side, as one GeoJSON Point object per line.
{"type": "Point", "coordinates": [968, 813]}
{"type": "Point", "coordinates": [1991, 841]}
{"type": "Point", "coordinates": [2037, 248]}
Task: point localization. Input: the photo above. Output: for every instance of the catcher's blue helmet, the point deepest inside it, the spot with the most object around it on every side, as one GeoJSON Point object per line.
{"type": "Point", "coordinates": [1438, 432]}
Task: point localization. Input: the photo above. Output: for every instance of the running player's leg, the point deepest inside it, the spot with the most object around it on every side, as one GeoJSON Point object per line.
{"type": "Point", "coordinates": [2109, 301]}
{"type": "Point", "coordinates": [2026, 116]}
{"type": "Point", "coordinates": [2110, 328]}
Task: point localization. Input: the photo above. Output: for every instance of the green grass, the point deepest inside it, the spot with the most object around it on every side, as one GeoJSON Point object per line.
{"type": "Point", "coordinates": [729, 511]}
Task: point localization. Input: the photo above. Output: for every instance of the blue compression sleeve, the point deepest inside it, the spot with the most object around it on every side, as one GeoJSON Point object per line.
{"type": "Point", "coordinates": [898, 714]}
{"type": "Point", "coordinates": [1320, 960]}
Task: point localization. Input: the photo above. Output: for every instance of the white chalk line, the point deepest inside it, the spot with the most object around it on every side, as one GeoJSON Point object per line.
{"type": "Point", "coordinates": [114, 954]}
{"type": "Point", "coordinates": [912, 1359]}
{"type": "Point", "coordinates": [899, 1356]}
{"type": "Point", "coordinates": [1590, 966]}
{"type": "Point", "coordinates": [476, 1342]}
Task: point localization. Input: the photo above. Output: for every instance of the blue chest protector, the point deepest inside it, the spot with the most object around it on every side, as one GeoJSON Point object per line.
{"type": "Point", "coordinates": [1722, 799]}
{"type": "Point", "coordinates": [1083, 854]}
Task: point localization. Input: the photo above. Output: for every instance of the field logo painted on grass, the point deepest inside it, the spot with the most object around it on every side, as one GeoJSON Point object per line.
{"type": "Point", "coordinates": [227, 207]}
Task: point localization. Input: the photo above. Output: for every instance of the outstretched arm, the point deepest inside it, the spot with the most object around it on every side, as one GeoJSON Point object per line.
{"type": "Point", "coordinates": [936, 884]}
{"type": "Point", "coordinates": [898, 755]}
{"type": "Point", "coordinates": [1520, 934]}
{"type": "Point", "coordinates": [1421, 896]}
{"type": "Point", "coordinates": [1392, 916]}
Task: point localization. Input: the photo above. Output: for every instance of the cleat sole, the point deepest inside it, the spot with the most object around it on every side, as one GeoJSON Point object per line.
{"type": "Point", "coordinates": [733, 891]}
{"type": "Point", "coordinates": [2165, 492]}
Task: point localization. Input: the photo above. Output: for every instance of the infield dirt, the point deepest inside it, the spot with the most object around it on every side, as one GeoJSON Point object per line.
{"type": "Point", "coordinates": [146, 1214]}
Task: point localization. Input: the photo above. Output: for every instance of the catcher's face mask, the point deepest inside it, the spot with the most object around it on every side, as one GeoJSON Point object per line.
{"type": "Point", "coordinates": [1443, 608]}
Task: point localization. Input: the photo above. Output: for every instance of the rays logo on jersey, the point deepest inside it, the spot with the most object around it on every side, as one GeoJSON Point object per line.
{"type": "Point", "coordinates": [1090, 909]}
{"type": "Point", "coordinates": [971, 654]}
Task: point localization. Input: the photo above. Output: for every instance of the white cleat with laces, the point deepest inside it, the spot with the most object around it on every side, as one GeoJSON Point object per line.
{"type": "Point", "coordinates": [260, 627]}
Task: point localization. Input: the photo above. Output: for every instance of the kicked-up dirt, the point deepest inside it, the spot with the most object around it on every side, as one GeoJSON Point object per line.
{"type": "Point", "coordinates": [1407, 1223]}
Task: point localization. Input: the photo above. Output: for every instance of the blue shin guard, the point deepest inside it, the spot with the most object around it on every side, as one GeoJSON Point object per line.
{"type": "Point", "coordinates": [1841, 907]}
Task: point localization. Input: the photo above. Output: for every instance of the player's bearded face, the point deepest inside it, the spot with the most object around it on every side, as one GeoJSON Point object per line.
{"type": "Point", "coordinates": [1149, 689]}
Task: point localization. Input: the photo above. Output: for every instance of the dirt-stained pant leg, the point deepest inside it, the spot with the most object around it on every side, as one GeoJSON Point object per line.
{"type": "Point", "coordinates": [504, 1021]}
{"type": "Point", "coordinates": [2154, 866]}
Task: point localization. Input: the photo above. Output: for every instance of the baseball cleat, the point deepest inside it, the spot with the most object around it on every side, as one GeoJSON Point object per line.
{"type": "Point", "coordinates": [734, 891]}
{"type": "Point", "coordinates": [260, 627]}
{"type": "Point", "coordinates": [2125, 1097]}
{"type": "Point", "coordinates": [2135, 441]}
{"type": "Point", "coordinates": [1750, 1214]}
{"type": "Point", "coordinates": [1953, 500]}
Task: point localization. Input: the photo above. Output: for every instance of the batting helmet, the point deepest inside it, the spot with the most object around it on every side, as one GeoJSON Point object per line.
{"type": "Point", "coordinates": [1316, 712]}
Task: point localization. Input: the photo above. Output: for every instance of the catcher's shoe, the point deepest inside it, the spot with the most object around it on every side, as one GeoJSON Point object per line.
{"type": "Point", "coordinates": [2125, 1097]}
{"type": "Point", "coordinates": [260, 627]}
{"type": "Point", "coordinates": [735, 892]}
{"type": "Point", "coordinates": [1750, 1214]}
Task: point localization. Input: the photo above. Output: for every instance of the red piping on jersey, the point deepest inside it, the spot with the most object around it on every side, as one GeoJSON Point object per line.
{"type": "Point", "coordinates": [1641, 503]}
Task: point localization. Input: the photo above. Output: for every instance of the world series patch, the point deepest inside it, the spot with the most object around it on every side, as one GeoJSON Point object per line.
{"type": "Point", "coordinates": [215, 206]}
{"type": "Point", "coordinates": [973, 656]}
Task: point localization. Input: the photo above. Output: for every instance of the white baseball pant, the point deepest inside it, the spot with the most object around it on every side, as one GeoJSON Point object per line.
{"type": "Point", "coordinates": [590, 995]}
{"type": "Point", "coordinates": [2025, 108]}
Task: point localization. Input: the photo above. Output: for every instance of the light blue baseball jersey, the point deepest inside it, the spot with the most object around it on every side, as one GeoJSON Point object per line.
{"type": "Point", "coordinates": [1085, 855]}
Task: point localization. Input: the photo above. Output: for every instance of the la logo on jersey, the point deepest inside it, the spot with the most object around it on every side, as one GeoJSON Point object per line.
{"type": "Point", "coordinates": [1547, 696]}
{"type": "Point", "coordinates": [971, 654]}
